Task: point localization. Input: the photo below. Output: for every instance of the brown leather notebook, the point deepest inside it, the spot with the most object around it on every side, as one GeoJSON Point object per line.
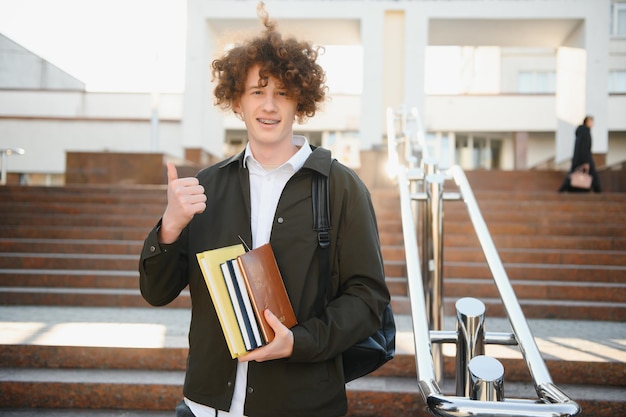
{"type": "Point", "coordinates": [266, 288]}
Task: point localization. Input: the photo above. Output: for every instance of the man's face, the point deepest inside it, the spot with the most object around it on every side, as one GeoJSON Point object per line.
{"type": "Point", "coordinates": [266, 111]}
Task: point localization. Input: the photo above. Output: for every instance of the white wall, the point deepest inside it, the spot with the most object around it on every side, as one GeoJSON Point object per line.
{"type": "Point", "coordinates": [47, 141]}
{"type": "Point", "coordinates": [495, 113]}
{"type": "Point", "coordinates": [80, 104]}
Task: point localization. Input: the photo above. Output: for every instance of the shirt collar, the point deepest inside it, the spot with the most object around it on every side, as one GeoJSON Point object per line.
{"type": "Point", "coordinates": [296, 161]}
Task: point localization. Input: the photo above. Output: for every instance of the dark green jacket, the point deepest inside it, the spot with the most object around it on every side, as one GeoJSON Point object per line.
{"type": "Point", "coordinates": [310, 382]}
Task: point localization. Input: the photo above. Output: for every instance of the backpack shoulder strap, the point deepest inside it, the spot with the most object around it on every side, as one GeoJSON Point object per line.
{"type": "Point", "coordinates": [321, 224]}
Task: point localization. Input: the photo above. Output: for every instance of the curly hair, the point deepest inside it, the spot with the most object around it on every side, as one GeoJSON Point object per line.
{"type": "Point", "coordinates": [291, 62]}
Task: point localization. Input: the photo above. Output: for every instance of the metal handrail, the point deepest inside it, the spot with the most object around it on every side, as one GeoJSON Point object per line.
{"type": "Point", "coordinates": [4, 152]}
{"type": "Point", "coordinates": [552, 401]}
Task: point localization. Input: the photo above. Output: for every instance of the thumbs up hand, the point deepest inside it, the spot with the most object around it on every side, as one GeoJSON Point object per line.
{"type": "Point", "coordinates": [185, 198]}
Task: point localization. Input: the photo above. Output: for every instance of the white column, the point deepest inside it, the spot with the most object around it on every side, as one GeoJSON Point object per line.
{"type": "Point", "coordinates": [416, 40]}
{"type": "Point", "coordinates": [570, 98]}
{"type": "Point", "coordinates": [597, 96]}
{"type": "Point", "coordinates": [372, 101]}
{"type": "Point", "coordinates": [202, 125]}
{"type": "Point", "coordinates": [582, 79]}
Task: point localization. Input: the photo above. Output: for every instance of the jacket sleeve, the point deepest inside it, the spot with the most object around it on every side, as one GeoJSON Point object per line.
{"type": "Point", "coordinates": [358, 278]}
{"type": "Point", "coordinates": [162, 269]}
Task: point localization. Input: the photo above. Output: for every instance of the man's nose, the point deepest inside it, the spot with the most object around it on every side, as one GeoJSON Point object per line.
{"type": "Point", "coordinates": [269, 103]}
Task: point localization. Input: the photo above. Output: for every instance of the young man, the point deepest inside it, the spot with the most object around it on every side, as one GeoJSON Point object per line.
{"type": "Point", "coordinates": [264, 195]}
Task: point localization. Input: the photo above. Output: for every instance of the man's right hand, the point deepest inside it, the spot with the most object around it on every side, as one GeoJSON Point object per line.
{"type": "Point", "coordinates": [185, 199]}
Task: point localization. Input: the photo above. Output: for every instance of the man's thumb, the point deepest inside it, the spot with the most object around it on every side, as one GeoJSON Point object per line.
{"type": "Point", "coordinates": [172, 174]}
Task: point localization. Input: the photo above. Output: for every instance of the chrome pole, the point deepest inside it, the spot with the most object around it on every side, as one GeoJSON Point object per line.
{"type": "Point", "coordinates": [434, 290]}
{"type": "Point", "coordinates": [470, 324]}
{"type": "Point", "coordinates": [487, 379]}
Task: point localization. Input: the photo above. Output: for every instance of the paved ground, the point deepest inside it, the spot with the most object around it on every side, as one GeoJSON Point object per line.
{"type": "Point", "coordinates": [167, 327]}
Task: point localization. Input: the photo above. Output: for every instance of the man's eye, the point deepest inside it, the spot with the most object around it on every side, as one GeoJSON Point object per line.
{"type": "Point", "coordinates": [282, 93]}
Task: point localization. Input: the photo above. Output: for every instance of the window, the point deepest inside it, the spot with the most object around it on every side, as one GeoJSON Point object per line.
{"type": "Point", "coordinates": [478, 152]}
{"type": "Point", "coordinates": [536, 82]}
{"type": "Point", "coordinates": [618, 21]}
{"type": "Point", "coordinates": [617, 81]}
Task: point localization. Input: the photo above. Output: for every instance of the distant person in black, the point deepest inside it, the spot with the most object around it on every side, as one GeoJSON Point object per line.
{"type": "Point", "coordinates": [583, 157]}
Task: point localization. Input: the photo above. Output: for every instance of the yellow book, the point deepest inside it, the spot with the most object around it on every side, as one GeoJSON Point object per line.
{"type": "Point", "coordinates": [210, 262]}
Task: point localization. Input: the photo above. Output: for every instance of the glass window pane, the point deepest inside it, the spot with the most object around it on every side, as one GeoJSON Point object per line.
{"type": "Point", "coordinates": [617, 81]}
{"type": "Point", "coordinates": [525, 82]}
{"type": "Point", "coordinates": [620, 20]}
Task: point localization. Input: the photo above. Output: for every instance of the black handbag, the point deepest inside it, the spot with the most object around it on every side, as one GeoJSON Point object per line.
{"type": "Point", "coordinates": [369, 354]}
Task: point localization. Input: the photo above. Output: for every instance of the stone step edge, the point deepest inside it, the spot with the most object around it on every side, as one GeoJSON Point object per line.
{"type": "Point", "coordinates": [171, 359]}
{"type": "Point", "coordinates": [135, 291]}
{"type": "Point", "coordinates": [391, 280]}
{"type": "Point", "coordinates": [143, 380]}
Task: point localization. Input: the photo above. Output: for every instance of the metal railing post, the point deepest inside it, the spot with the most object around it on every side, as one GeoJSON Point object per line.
{"type": "Point", "coordinates": [470, 324]}
{"type": "Point", "coordinates": [4, 152]}
{"type": "Point", "coordinates": [434, 286]}
{"type": "Point", "coordinates": [429, 167]}
{"type": "Point", "coordinates": [486, 379]}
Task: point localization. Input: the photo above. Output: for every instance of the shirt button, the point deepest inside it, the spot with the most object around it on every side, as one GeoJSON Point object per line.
{"type": "Point", "coordinates": [280, 220]}
{"type": "Point", "coordinates": [152, 248]}
{"type": "Point", "coordinates": [230, 384]}
{"type": "Point", "coordinates": [250, 390]}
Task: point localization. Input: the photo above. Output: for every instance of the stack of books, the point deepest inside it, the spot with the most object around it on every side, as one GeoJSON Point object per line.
{"type": "Point", "coordinates": [242, 285]}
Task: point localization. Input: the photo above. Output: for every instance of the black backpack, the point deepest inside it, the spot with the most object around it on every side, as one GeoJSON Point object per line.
{"type": "Point", "coordinates": [371, 353]}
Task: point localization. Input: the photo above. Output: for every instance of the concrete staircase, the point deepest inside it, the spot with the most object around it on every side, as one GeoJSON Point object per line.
{"type": "Point", "coordinates": [75, 335]}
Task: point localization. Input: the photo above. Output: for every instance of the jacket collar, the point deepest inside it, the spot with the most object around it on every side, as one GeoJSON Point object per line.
{"type": "Point", "coordinates": [319, 160]}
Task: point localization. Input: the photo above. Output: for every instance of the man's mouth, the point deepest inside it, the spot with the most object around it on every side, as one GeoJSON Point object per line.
{"type": "Point", "coordinates": [268, 121]}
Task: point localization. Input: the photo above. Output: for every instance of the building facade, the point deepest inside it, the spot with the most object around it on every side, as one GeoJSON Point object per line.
{"type": "Point", "coordinates": [496, 84]}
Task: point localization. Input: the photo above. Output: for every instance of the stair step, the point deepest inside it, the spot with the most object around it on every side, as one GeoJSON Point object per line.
{"type": "Point", "coordinates": [523, 271]}
{"type": "Point", "coordinates": [83, 246]}
{"type": "Point", "coordinates": [526, 255]}
{"type": "Point", "coordinates": [516, 215]}
{"type": "Point", "coordinates": [68, 261]}
{"type": "Point", "coordinates": [121, 297]}
{"type": "Point", "coordinates": [534, 272]}
{"type": "Point", "coordinates": [68, 232]}
{"type": "Point", "coordinates": [609, 373]}
{"type": "Point", "coordinates": [524, 289]}
{"type": "Point", "coordinates": [47, 208]}
{"type": "Point", "coordinates": [162, 390]}
{"type": "Point", "coordinates": [84, 297]}
{"type": "Point", "coordinates": [69, 278]}
{"type": "Point", "coordinates": [539, 241]}
{"type": "Point", "coordinates": [536, 308]}
{"type": "Point", "coordinates": [559, 229]}
{"type": "Point", "coordinates": [123, 219]}
{"type": "Point", "coordinates": [101, 388]}
{"type": "Point", "coordinates": [92, 192]}
{"type": "Point", "coordinates": [82, 412]}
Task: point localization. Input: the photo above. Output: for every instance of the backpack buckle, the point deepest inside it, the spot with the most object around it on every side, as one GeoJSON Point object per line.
{"type": "Point", "coordinates": [323, 238]}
